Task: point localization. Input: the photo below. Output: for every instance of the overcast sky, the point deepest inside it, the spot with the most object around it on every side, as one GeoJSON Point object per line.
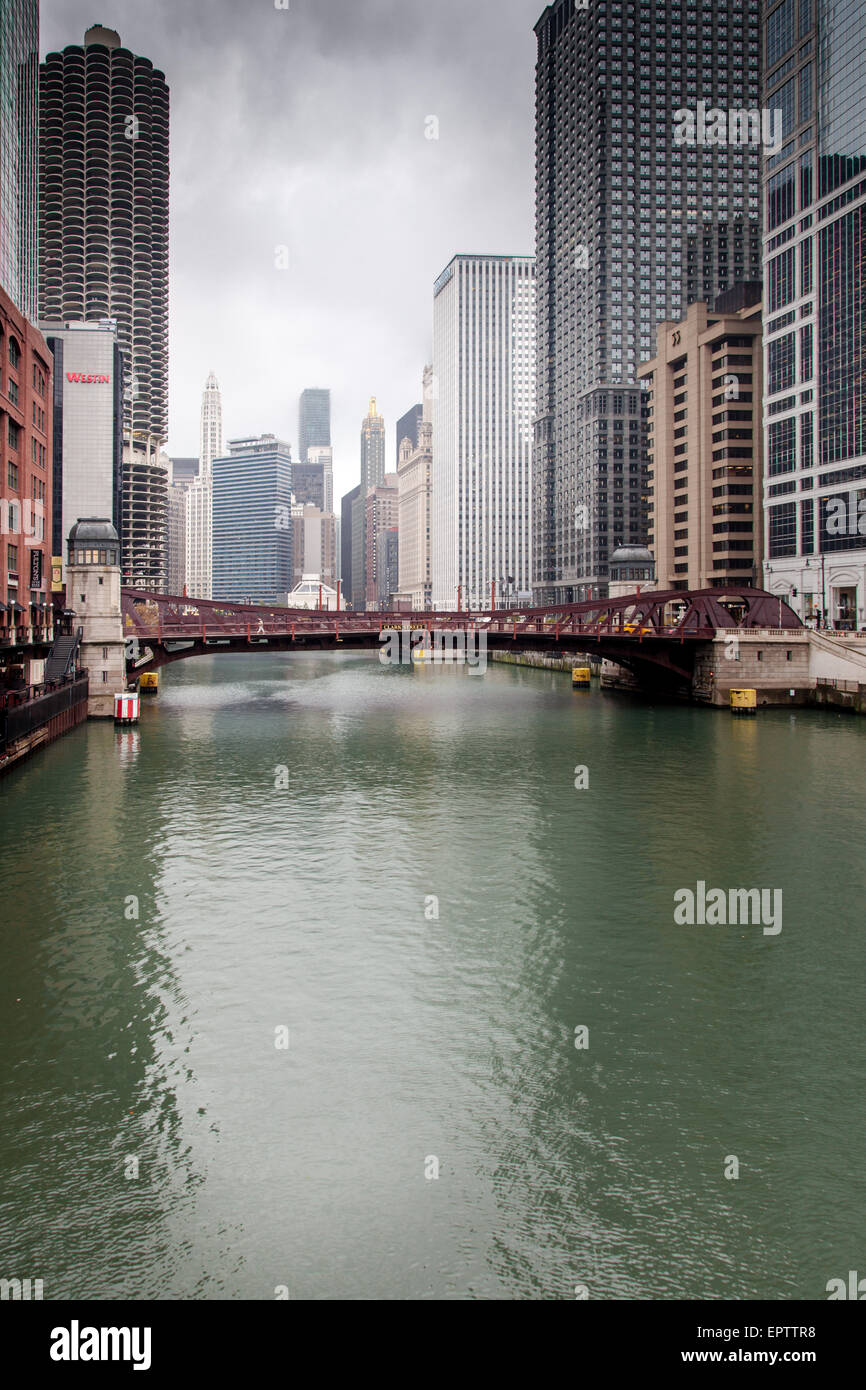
{"type": "Point", "coordinates": [305, 129]}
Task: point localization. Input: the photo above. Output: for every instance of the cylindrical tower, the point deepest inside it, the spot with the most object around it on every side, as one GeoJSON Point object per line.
{"type": "Point", "coordinates": [103, 218]}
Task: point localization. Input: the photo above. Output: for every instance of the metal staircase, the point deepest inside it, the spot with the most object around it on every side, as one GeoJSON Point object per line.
{"type": "Point", "coordinates": [60, 661]}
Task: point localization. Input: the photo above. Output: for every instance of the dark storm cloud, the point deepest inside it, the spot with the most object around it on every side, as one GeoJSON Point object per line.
{"type": "Point", "coordinates": [299, 134]}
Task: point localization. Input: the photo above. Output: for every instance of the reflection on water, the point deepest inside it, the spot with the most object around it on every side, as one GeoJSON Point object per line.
{"type": "Point", "coordinates": [431, 909]}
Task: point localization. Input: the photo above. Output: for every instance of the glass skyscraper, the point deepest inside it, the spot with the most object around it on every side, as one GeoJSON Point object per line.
{"type": "Point", "coordinates": [252, 521]}
{"type": "Point", "coordinates": [19, 139]}
{"type": "Point", "coordinates": [815, 310]}
{"type": "Point", "coordinates": [638, 214]}
{"type": "Point", "coordinates": [314, 420]}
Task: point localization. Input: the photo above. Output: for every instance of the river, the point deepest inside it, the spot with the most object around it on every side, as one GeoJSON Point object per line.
{"type": "Point", "coordinates": [329, 980]}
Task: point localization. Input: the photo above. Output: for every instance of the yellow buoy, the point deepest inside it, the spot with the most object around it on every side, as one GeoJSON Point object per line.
{"type": "Point", "coordinates": [149, 683]}
{"type": "Point", "coordinates": [580, 676]}
{"type": "Point", "coordinates": [744, 702]}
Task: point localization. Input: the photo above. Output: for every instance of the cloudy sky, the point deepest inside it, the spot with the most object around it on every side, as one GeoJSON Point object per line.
{"type": "Point", "coordinates": [304, 128]}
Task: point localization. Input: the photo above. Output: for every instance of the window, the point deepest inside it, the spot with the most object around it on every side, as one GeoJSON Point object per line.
{"type": "Point", "coordinates": [780, 32]}
{"type": "Point", "coordinates": [806, 352]}
{"type": "Point", "coordinates": [781, 456]}
{"type": "Point", "coordinates": [805, 92]}
{"type": "Point", "coordinates": [781, 286]}
{"type": "Point", "coordinates": [805, 180]}
{"type": "Point", "coordinates": [14, 354]}
{"type": "Point", "coordinates": [13, 477]}
{"type": "Point", "coordinates": [780, 197]}
{"type": "Point", "coordinates": [14, 435]}
{"type": "Point", "coordinates": [780, 364]}
{"type": "Point", "coordinates": [782, 531]}
{"type": "Point", "coordinates": [12, 559]}
{"type": "Point", "coordinates": [806, 267]}
{"type": "Point", "coordinates": [806, 452]}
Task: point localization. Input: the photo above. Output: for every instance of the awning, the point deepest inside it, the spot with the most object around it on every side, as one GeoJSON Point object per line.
{"type": "Point", "coordinates": [3, 608]}
{"type": "Point", "coordinates": [15, 608]}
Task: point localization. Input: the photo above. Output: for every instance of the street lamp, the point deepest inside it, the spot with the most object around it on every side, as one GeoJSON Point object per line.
{"type": "Point", "coordinates": [823, 590]}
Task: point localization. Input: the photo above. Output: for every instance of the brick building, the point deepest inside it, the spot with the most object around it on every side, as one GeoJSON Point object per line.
{"type": "Point", "coordinates": [26, 367]}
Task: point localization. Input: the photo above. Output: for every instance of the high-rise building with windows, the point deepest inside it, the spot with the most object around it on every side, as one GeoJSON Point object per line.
{"type": "Point", "coordinates": [19, 146]}
{"type": "Point", "coordinates": [103, 251]}
{"type": "Point", "coordinates": [184, 472]}
{"type": "Point", "coordinates": [705, 518]}
{"type": "Point", "coordinates": [346, 542]}
{"type": "Point", "coordinates": [484, 368]}
{"type": "Point", "coordinates": [88, 426]}
{"type": "Point", "coordinates": [415, 507]}
{"type": "Point", "coordinates": [639, 211]}
{"type": "Point", "coordinates": [321, 456]}
{"type": "Point", "coordinates": [372, 474]}
{"type": "Point", "coordinates": [815, 309]}
{"type": "Point", "coordinates": [103, 209]}
{"type": "Point", "coordinates": [314, 420]}
{"type": "Point", "coordinates": [252, 521]}
{"type": "Point", "coordinates": [372, 448]}
{"type": "Point", "coordinates": [199, 497]}
{"type": "Point", "coordinates": [380, 515]}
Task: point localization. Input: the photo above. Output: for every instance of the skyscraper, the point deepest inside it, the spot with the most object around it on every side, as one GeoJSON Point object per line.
{"type": "Point", "coordinates": [372, 473]}
{"type": "Point", "coordinates": [638, 212]}
{"type": "Point", "coordinates": [415, 508]}
{"type": "Point", "coordinates": [484, 367]}
{"type": "Point", "coordinates": [705, 457]}
{"type": "Point", "coordinates": [380, 515]}
{"type": "Point", "coordinates": [322, 456]}
{"type": "Point", "coordinates": [19, 136]}
{"type": "Point", "coordinates": [346, 515]}
{"type": "Point", "coordinates": [252, 521]}
{"type": "Point", "coordinates": [103, 210]}
{"type": "Point", "coordinates": [314, 420]}
{"type": "Point", "coordinates": [184, 472]}
{"type": "Point", "coordinates": [199, 497]}
{"type": "Point", "coordinates": [372, 448]}
{"type": "Point", "coordinates": [815, 310]}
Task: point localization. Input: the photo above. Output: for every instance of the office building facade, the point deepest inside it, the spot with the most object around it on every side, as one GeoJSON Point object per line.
{"type": "Point", "coordinates": [346, 522]}
{"type": "Point", "coordinates": [415, 508]}
{"type": "Point", "coordinates": [705, 445]}
{"type": "Point", "coordinates": [380, 515]}
{"type": "Point", "coordinates": [815, 311]}
{"type": "Point", "coordinates": [314, 545]}
{"type": "Point", "coordinates": [87, 408]}
{"type": "Point", "coordinates": [199, 498]}
{"type": "Point", "coordinates": [252, 521]}
{"type": "Point", "coordinates": [322, 456]}
{"type": "Point", "coordinates": [314, 421]}
{"type": "Point", "coordinates": [638, 211]}
{"type": "Point", "coordinates": [484, 367]}
{"type": "Point", "coordinates": [372, 474]}
{"type": "Point", "coordinates": [19, 148]}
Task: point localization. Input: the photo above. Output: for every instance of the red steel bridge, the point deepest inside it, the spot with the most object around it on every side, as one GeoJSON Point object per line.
{"type": "Point", "coordinates": [654, 634]}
